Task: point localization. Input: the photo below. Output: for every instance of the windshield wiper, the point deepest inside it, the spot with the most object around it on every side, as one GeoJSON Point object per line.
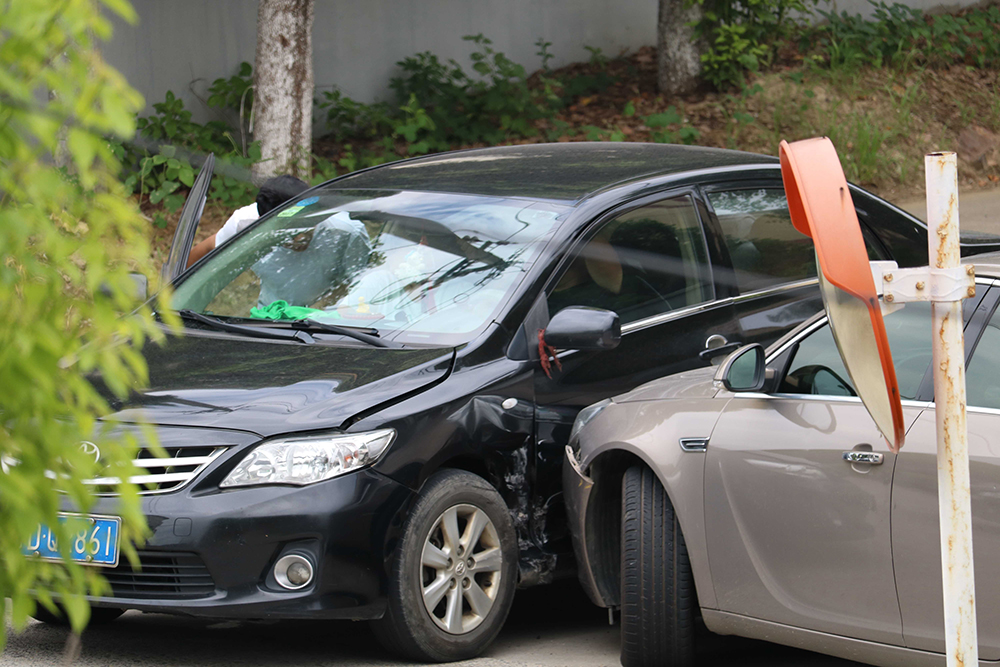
{"type": "Point", "coordinates": [371, 339]}
{"type": "Point", "coordinates": [256, 332]}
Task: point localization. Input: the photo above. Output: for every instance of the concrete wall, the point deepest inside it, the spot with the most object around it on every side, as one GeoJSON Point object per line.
{"type": "Point", "coordinates": [182, 45]}
{"type": "Point", "coordinates": [357, 43]}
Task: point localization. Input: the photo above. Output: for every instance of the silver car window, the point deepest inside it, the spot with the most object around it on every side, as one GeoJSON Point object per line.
{"type": "Point", "coordinates": [981, 381]}
{"type": "Point", "coordinates": [816, 367]}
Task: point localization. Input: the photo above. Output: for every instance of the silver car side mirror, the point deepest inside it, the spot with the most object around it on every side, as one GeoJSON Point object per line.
{"type": "Point", "coordinates": [744, 369]}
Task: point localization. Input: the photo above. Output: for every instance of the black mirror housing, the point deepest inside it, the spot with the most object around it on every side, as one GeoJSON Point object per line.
{"type": "Point", "coordinates": [744, 369]}
{"type": "Point", "coordinates": [584, 328]}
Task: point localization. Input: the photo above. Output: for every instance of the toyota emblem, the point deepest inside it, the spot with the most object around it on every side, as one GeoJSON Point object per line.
{"type": "Point", "coordinates": [91, 449]}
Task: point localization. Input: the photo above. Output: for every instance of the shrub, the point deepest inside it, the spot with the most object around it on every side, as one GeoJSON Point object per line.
{"type": "Point", "coordinates": [68, 238]}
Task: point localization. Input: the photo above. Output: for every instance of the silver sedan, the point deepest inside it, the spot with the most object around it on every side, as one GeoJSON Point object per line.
{"type": "Point", "coordinates": [760, 497]}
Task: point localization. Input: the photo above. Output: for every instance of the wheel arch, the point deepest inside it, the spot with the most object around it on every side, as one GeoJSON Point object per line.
{"type": "Point", "coordinates": [603, 520]}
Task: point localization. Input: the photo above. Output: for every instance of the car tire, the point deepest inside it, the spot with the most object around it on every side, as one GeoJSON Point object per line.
{"type": "Point", "coordinates": [443, 603]}
{"type": "Point", "coordinates": [98, 616]}
{"type": "Point", "coordinates": [657, 589]}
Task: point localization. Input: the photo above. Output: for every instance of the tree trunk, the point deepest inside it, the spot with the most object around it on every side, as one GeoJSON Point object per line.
{"type": "Point", "coordinates": [678, 52]}
{"type": "Point", "coordinates": [283, 88]}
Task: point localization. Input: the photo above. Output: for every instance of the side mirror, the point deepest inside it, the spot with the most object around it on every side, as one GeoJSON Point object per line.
{"type": "Point", "coordinates": [583, 328]}
{"type": "Point", "coordinates": [141, 285]}
{"type": "Point", "coordinates": [743, 370]}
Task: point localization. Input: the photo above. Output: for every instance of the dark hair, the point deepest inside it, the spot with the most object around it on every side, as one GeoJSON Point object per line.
{"type": "Point", "coordinates": [276, 191]}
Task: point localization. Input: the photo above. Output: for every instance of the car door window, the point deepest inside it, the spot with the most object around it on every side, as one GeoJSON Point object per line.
{"type": "Point", "coordinates": [764, 247]}
{"type": "Point", "coordinates": [816, 367]}
{"type": "Point", "coordinates": [647, 261]}
{"type": "Point", "coordinates": [981, 381]}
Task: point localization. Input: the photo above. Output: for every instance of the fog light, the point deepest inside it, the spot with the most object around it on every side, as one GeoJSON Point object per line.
{"type": "Point", "coordinates": [293, 572]}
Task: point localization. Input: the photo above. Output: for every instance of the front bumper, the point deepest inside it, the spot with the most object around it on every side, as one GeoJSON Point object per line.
{"type": "Point", "coordinates": [576, 491]}
{"type": "Point", "coordinates": [211, 553]}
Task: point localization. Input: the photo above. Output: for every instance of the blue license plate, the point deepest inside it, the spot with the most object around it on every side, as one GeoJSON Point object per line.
{"type": "Point", "coordinates": [95, 544]}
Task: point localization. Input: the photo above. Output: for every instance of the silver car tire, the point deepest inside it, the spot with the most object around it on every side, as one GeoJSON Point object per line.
{"type": "Point", "coordinates": [448, 597]}
{"type": "Point", "coordinates": [657, 587]}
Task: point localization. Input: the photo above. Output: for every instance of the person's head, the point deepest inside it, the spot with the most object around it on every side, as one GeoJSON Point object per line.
{"type": "Point", "coordinates": [276, 191]}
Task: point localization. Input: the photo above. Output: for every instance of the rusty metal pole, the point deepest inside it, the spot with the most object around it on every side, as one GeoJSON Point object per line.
{"type": "Point", "coordinates": [954, 501]}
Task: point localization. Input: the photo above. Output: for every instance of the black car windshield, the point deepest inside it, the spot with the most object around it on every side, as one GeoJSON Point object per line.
{"type": "Point", "coordinates": [422, 267]}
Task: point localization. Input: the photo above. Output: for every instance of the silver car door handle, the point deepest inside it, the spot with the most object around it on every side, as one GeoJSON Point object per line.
{"type": "Point", "coordinates": [873, 458]}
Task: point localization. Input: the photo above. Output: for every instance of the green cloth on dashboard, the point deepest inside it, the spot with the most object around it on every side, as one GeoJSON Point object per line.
{"type": "Point", "coordinates": [281, 310]}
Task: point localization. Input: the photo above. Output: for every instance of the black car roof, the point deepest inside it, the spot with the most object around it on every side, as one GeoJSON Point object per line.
{"type": "Point", "coordinates": [563, 171]}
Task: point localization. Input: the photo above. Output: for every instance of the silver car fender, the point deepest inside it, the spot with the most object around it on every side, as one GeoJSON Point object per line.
{"type": "Point", "coordinates": [670, 437]}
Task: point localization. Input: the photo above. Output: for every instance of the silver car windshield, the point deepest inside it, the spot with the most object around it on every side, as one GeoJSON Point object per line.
{"type": "Point", "coordinates": [419, 266]}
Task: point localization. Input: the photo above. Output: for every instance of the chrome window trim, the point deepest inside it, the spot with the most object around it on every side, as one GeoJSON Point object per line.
{"type": "Point", "coordinates": [655, 320]}
{"type": "Point", "coordinates": [906, 403]}
{"type": "Point", "coordinates": [776, 289]}
{"type": "Point", "coordinates": [981, 411]}
{"type": "Point", "coordinates": [715, 303]}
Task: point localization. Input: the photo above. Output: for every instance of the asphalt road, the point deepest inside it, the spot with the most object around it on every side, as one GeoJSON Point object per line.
{"type": "Point", "coordinates": [551, 626]}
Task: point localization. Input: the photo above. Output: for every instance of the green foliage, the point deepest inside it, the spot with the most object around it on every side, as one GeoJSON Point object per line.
{"type": "Point", "coordinates": [862, 147]}
{"type": "Point", "coordinates": [597, 56]}
{"type": "Point", "coordinates": [734, 51]}
{"type": "Point", "coordinates": [582, 85]}
{"type": "Point", "coordinates": [68, 238]}
{"type": "Point", "coordinates": [172, 124]}
{"type": "Point", "coordinates": [347, 118]}
{"type": "Point", "coordinates": [741, 35]}
{"type": "Point", "coordinates": [593, 133]}
{"type": "Point", "coordinates": [234, 93]}
{"type": "Point", "coordinates": [162, 172]}
{"type": "Point", "coordinates": [901, 36]}
{"type": "Point", "coordinates": [440, 105]}
{"type": "Point", "coordinates": [543, 52]}
{"type": "Point", "coordinates": [740, 117]}
{"type": "Point", "coordinates": [668, 127]}
{"type": "Point", "coordinates": [488, 106]}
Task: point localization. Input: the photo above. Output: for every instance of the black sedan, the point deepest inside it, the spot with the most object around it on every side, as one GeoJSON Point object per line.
{"type": "Point", "coordinates": [367, 409]}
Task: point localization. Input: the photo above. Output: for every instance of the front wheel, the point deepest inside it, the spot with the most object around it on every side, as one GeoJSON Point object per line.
{"type": "Point", "coordinates": [657, 588]}
{"type": "Point", "coordinates": [454, 572]}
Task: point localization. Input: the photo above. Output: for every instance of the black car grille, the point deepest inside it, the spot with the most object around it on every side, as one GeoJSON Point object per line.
{"type": "Point", "coordinates": [163, 576]}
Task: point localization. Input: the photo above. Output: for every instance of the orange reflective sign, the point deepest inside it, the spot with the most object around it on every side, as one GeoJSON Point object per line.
{"type": "Point", "coordinates": [821, 207]}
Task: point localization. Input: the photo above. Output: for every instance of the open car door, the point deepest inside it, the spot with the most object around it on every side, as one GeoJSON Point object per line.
{"type": "Point", "coordinates": [187, 225]}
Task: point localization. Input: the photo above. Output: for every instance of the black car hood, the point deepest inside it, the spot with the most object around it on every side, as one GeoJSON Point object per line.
{"type": "Point", "coordinates": [270, 387]}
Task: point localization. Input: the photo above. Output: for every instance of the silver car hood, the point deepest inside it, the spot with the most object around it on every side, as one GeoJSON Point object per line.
{"type": "Point", "coordinates": [696, 383]}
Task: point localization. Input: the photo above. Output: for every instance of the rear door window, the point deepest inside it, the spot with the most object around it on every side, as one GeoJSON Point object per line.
{"type": "Point", "coordinates": [764, 247]}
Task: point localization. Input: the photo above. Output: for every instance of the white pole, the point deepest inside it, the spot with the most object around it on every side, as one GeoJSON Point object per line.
{"type": "Point", "coordinates": [954, 504]}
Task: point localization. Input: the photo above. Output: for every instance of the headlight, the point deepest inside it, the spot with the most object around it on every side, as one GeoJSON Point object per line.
{"type": "Point", "coordinates": [308, 460]}
{"type": "Point", "coordinates": [586, 415]}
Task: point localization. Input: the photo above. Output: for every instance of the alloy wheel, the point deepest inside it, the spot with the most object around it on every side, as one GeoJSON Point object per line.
{"type": "Point", "coordinates": [461, 569]}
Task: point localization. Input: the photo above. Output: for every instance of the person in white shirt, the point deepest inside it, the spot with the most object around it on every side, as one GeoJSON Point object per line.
{"type": "Point", "coordinates": [274, 192]}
